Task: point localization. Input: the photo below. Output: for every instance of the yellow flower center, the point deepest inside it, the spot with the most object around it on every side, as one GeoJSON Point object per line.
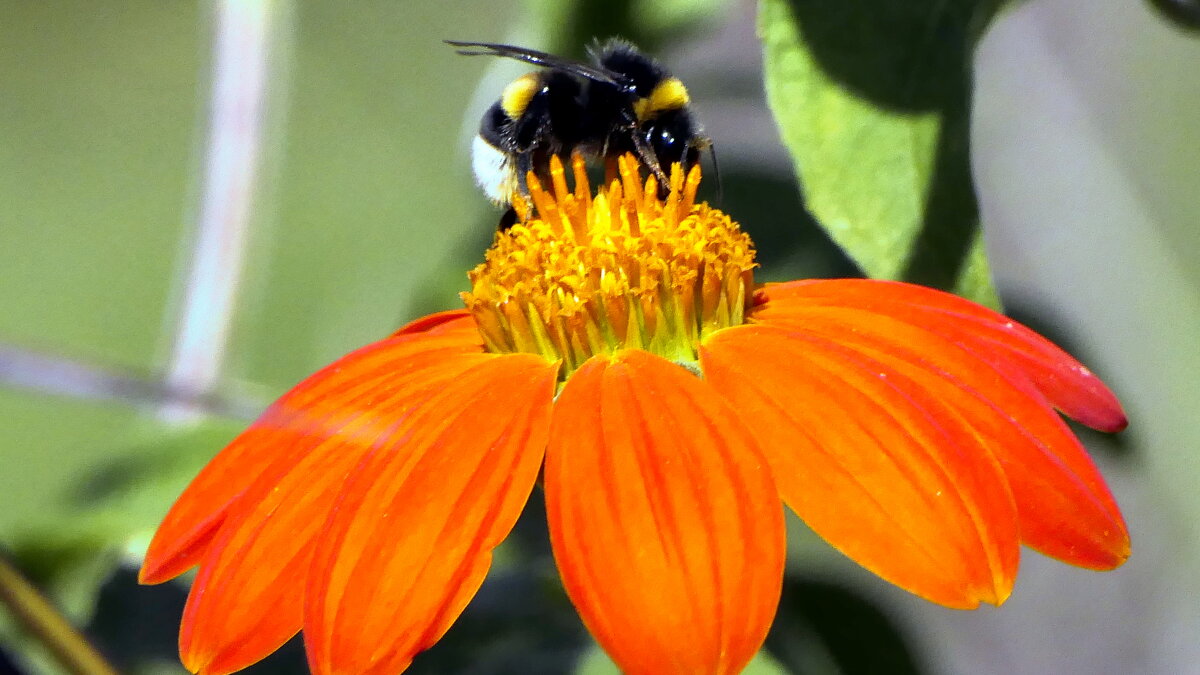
{"type": "Point", "coordinates": [581, 275]}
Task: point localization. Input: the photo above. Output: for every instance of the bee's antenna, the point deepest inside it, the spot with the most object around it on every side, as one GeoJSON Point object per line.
{"type": "Point", "coordinates": [712, 152]}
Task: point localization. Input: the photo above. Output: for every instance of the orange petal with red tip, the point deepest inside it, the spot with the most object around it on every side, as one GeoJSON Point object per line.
{"type": "Point", "coordinates": [873, 463]}
{"type": "Point", "coordinates": [189, 526]}
{"type": "Point", "coordinates": [665, 522]}
{"type": "Point", "coordinates": [248, 596]}
{"type": "Point", "coordinates": [1068, 384]}
{"type": "Point", "coordinates": [1065, 508]}
{"type": "Point", "coordinates": [411, 538]}
{"type": "Point", "coordinates": [449, 321]}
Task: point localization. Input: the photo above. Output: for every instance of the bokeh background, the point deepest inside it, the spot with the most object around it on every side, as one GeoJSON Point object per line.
{"type": "Point", "coordinates": [200, 203]}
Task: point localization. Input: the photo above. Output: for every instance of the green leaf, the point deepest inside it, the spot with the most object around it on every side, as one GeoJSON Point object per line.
{"type": "Point", "coordinates": [871, 99]}
{"type": "Point", "coordinates": [596, 662]}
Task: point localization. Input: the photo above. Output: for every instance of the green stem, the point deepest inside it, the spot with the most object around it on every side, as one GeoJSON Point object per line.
{"type": "Point", "coordinates": [43, 620]}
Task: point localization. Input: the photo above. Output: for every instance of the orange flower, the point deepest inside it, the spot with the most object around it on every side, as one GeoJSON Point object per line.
{"type": "Point", "coordinates": [616, 342]}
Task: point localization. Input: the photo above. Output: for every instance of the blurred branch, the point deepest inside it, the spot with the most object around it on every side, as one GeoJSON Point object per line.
{"type": "Point", "coordinates": [39, 616]}
{"type": "Point", "coordinates": [245, 35]}
{"type": "Point", "coordinates": [66, 377]}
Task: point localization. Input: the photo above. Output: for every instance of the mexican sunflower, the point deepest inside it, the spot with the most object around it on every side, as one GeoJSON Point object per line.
{"type": "Point", "coordinates": [615, 345]}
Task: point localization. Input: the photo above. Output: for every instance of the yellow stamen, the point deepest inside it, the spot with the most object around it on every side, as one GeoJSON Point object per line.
{"type": "Point", "coordinates": [583, 274]}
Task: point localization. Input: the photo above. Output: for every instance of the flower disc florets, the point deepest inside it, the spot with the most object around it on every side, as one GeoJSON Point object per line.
{"type": "Point", "coordinates": [584, 274]}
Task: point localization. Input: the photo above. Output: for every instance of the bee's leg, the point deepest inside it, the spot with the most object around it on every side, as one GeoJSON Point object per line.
{"type": "Point", "coordinates": [523, 163]}
{"type": "Point", "coordinates": [522, 166]}
{"type": "Point", "coordinates": [649, 158]}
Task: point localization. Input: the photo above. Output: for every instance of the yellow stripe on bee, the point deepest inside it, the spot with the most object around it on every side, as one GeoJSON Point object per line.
{"type": "Point", "coordinates": [518, 93]}
{"type": "Point", "coordinates": [670, 94]}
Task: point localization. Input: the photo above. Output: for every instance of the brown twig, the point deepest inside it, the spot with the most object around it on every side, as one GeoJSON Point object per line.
{"type": "Point", "coordinates": [47, 625]}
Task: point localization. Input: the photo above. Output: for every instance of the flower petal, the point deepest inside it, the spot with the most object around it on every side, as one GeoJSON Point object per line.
{"type": "Point", "coordinates": [449, 321]}
{"type": "Point", "coordinates": [873, 463]}
{"type": "Point", "coordinates": [247, 598]}
{"type": "Point", "coordinates": [411, 538]}
{"type": "Point", "coordinates": [1065, 382]}
{"type": "Point", "coordinates": [1065, 509]}
{"type": "Point", "coordinates": [665, 522]}
{"type": "Point", "coordinates": [189, 526]}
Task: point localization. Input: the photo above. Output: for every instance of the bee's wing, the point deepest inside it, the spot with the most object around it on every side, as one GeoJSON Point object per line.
{"type": "Point", "coordinates": [539, 59]}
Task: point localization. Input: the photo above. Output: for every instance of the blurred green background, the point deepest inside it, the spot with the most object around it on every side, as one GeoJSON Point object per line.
{"type": "Point", "coordinates": [200, 203]}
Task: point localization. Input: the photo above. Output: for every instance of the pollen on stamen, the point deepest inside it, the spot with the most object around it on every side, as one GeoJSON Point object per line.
{"type": "Point", "coordinates": [585, 273]}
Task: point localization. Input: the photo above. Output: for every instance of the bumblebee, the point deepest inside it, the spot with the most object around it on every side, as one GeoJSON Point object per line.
{"type": "Point", "coordinates": [622, 102]}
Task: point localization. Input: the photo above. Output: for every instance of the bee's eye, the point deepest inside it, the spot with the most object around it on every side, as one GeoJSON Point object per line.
{"type": "Point", "coordinates": [670, 136]}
